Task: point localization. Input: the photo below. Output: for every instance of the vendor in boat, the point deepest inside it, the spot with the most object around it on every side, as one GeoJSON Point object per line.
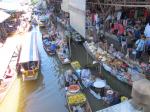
{"type": "Point", "coordinates": [65, 51]}
{"type": "Point", "coordinates": [116, 99]}
{"type": "Point", "coordinates": [86, 77]}
{"type": "Point", "coordinates": [70, 78]}
{"type": "Point", "coordinates": [53, 47]}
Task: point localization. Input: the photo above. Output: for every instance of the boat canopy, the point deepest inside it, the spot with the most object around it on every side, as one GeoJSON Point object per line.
{"type": "Point", "coordinates": [3, 16]}
{"type": "Point", "coordinates": [29, 50]}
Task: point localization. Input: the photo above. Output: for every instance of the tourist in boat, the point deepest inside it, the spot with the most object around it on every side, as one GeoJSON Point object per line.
{"type": "Point", "coordinates": [70, 78]}
{"type": "Point", "coordinates": [86, 77]}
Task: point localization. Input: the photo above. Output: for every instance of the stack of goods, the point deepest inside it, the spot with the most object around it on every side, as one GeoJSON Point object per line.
{"type": "Point", "coordinates": [63, 53]}
{"type": "Point", "coordinates": [77, 99]}
{"type": "Point", "coordinates": [76, 65]}
{"type": "Point", "coordinates": [91, 48]}
{"type": "Point", "coordinates": [113, 64]}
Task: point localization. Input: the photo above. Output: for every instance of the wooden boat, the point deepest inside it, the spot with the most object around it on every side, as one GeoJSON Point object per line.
{"type": "Point", "coordinates": [76, 99]}
{"type": "Point", "coordinates": [64, 60]}
{"type": "Point", "coordinates": [85, 107]}
{"type": "Point", "coordinates": [47, 44]}
{"type": "Point", "coordinates": [10, 74]}
{"type": "Point", "coordinates": [29, 61]}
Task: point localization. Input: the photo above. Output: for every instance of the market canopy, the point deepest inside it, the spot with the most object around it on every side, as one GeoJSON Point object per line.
{"type": "Point", "coordinates": [11, 6]}
{"type": "Point", "coordinates": [3, 16]}
{"type": "Point", "coordinates": [29, 50]}
{"type": "Point", "coordinates": [141, 93]}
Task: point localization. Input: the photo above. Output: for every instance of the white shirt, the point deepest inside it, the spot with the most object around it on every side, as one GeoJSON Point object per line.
{"type": "Point", "coordinates": [119, 15]}
{"type": "Point", "coordinates": [85, 74]}
{"type": "Point", "coordinates": [147, 31]}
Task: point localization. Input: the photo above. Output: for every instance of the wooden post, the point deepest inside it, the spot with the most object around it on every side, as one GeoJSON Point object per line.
{"type": "Point", "coordinates": [70, 46]}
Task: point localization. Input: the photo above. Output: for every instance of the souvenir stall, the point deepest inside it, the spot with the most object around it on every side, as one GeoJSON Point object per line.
{"type": "Point", "coordinates": [113, 63]}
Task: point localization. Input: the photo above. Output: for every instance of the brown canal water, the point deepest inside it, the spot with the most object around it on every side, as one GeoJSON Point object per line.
{"type": "Point", "coordinates": [47, 94]}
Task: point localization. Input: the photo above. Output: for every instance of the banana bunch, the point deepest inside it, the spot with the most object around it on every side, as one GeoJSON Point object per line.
{"type": "Point", "coordinates": [76, 65]}
{"type": "Point", "coordinates": [76, 99]}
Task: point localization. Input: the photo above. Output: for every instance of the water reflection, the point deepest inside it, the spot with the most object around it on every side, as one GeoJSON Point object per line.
{"type": "Point", "coordinates": [49, 93]}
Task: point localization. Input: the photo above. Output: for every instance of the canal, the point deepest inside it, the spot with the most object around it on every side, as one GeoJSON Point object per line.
{"type": "Point", "coordinates": [47, 94]}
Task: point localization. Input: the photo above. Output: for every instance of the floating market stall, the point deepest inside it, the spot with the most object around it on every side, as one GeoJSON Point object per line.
{"type": "Point", "coordinates": [76, 100]}
{"type": "Point", "coordinates": [99, 88]}
{"type": "Point", "coordinates": [49, 45]}
{"type": "Point", "coordinates": [114, 64]}
{"type": "Point", "coordinates": [123, 21]}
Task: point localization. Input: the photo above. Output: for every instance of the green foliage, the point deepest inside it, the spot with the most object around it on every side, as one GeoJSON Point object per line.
{"type": "Point", "coordinates": [34, 2]}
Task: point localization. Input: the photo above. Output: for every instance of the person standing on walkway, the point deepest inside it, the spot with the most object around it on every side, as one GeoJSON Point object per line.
{"type": "Point", "coordinates": [70, 78]}
{"type": "Point", "coordinates": [130, 43]}
{"type": "Point", "coordinates": [140, 47]}
{"type": "Point", "coordinates": [147, 35]}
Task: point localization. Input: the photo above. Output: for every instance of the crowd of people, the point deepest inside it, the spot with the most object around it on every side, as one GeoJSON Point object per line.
{"type": "Point", "coordinates": [131, 26]}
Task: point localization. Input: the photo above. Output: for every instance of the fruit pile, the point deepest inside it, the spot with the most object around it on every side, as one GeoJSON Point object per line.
{"type": "Point", "coordinates": [76, 65]}
{"type": "Point", "coordinates": [76, 99]}
{"type": "Point", "coordinates": [73, 88]}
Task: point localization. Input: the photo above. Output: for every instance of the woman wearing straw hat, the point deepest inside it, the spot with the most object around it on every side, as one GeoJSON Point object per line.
{"type": "Point", "coordinates": [70, 78]}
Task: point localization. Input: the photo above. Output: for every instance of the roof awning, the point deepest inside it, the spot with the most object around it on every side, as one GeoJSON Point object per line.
{"type": "Point", "coordinates": [11, 6]}
{"type": "Point", "coordinates": [3, 16]}
{"type": "Point", "coordinates": [141, 92]}
{"type": "Point", "coordinates": [29, 50]}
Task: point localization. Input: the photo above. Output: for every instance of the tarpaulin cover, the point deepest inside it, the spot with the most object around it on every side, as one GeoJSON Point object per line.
{"type": "Point", "coordinates": [141, 93]}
